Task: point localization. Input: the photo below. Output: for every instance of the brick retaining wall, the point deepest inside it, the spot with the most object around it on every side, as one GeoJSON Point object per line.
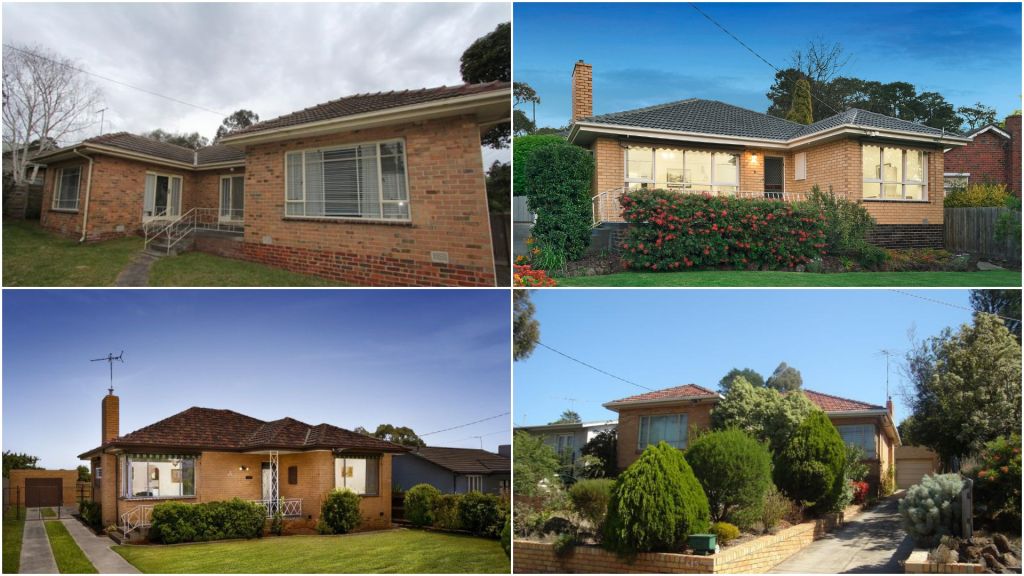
{"type": "Point", "coordinates": [907, 236]}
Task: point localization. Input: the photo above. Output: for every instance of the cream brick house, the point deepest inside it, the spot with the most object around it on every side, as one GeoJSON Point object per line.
{"type": "Point", "coordinates": [894, 167]}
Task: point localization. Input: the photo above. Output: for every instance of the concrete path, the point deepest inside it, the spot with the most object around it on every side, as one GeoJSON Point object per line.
{"type": "Point", "coordinates": [136, 273]}
{"type": "Point", "coordinates": [97, 549]}
{"type": "Point", "coordinates": [36, 555]}
{"type": "Point", "coordinates": [873, 542]}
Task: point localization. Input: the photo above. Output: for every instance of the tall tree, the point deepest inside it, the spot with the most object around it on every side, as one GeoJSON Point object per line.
{"type": "Point", "coordinates": [785, 378]}
{"type": "Point", "coordinates": [240, 119]}
{"type": "Point", "coordinates": [399, 435]}
{"type": "Point", "coordinates": [18, 461]}
{"type": "Point", "coordinates": [487, 59]}
{"type": "Point", "coordinates": [46, 100]}
{"type": "Point", "coordinates": [604, 447]}
{"type": "Point", "coordinates": [499, 187]}
{"type": "Point", "coordinates": [763, 413]}
{"type": "Point", "coordinates": [977, 116]}
{"type": "Point", "coordinates": [521, 123]}
{"type": "Point", "coordinates": [193, 141]}
{"type": "Point", "coordinates": [1004, 303]}
{"type": "Point", "coordinates": [568, 417]}
{"type": "Point", "coordinates": [751, 376]}
{"type": "Point", "coordinates": [801, 110]}
{"type": "Point", "coordinates": [523, 93]}
{"type": "Point", "coordinates": [533, 462]}
{"type": "Point", "coordinates": [525, 329]}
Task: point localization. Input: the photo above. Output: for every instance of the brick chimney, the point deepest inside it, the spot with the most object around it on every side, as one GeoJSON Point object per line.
{"type": "Point", "coordinates": [1013, 129]}
{"type": "Point", "coordinates": [582, 91]}
{"type": "Point", "coordinates": [505, 450]}
{"type": "Point", "coordinates": [888, 406]}
{"type": "Point", "coordinates": [110, 426]}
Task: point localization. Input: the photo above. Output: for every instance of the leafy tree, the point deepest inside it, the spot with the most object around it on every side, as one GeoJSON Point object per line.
{"type": "Point", "coordinates": [499, 187]}
{"type": "Point", "coordinates": [533, 461]}
{"type": "Point", "coordinates": [809, 468]}
{"type": "Point", "coordinates": [240, 119]}
{"type": "Point", "coordinates": [785, 379]}
{"type": "Point", "coordinates": [749, 374]}
{"type": "Point", "coordinates": [487, 59]}
{"type": "Point", "coordinates": [193, 141]}
{"type": "Point", "coordinates": [19, 461]}
{"type": "Point", "coordinates": [568, 417]}
{"type": "Point", "coordinates": [399, 435]}
{"type": "Point", "coordinates": [83, 474]}
{"type": "Point", "coordinates": [521, 123]}
{"type": "Point", "coordinates": [525, 329]}
{"type": "Point", "coordinates": [907, 430]}
{"type": "Point", "coordinates": [523, 93]}
{"type": "Point", "coordinates": [361, 430]}
{"type": "Point", "coordinates": [965, 387]}
{"type": "Point", "coordinates": [1005, 303]}
{"type": "Point", "coordinates": [558, 178]}
{"type": "Point", "coordinates": [605, 447]}
{"type": "Point", "coordinates": [734, 469]}
{"type": "Point", "coordinates": [763, 413]}
{"type": "Point", "coordinates": [801, 110]}
{"type": "Point", "coordinates": [977, 116]}
{"type": "Point", "coordinates": [521, 151]}
{"type": "Point", "coordinates": [549, 131]}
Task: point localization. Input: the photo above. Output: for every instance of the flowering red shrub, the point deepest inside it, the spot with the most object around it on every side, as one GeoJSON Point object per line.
{"type": "Point", "coordinates": [525, 276]}
{"type": "Point", "coordinates": [672, 231]}
{"type": "Point", "coordinates": [860, 492]}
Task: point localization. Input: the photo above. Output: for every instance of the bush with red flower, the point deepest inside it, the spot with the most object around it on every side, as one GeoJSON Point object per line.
{"type": "Point", "coordinates": [860, 492]}
{"type": "Point", "coordinates": [997, 480]}
{"type": "Point", "coordinates": [673, 231]}
{"type": "Point", "coordinates": [526, 277]}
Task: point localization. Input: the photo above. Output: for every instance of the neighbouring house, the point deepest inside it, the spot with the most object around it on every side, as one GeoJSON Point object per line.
{"type": "Point", "coordinates": [993, 156]}
{"type": "Point", "coordinates": [372, 189]}
{"type": "Point", "coordinates": [454, 470]}
{"type": "Point", "coordinates": [206, 454]}
{"type": "Point", "coordinates": [673, 413]}
{"type": "Point", "coordinates": [23, 201]}
{"type": "Point", "coordinates": [32, 488]}
{"type": "Point", "coordinates": [893, 167]}
{"type": "Point", "coordinates": [567, 439]}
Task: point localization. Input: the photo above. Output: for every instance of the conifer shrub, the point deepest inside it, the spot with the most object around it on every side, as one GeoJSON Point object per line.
{"type": "Point", "coordinates": [734, 469]}
{"type": "Point", "coordinates": [931, 509]}
{"type": "Point", "coordinates": [419, 504]}
{"type": "Point", "coordinates": [809, 468]}
{"type": "Point", "coordinates": [656, 504]}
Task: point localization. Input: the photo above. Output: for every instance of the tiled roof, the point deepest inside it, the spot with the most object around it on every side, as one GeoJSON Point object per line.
{"type": "Point", "coordinates": [219, 153]}
{"type": "Point", "coordinates": [998, 129]}
{"type": "Point", "coordinates": [144, 145]}
{"type": "Point", "coordinates": [465, 460]}
{"type": "Point", "coordinates": [687, 391]}
{"type": "Point", "coordinates": [866, 119]}
{"type": "Point", "coordinates": [830, 403]}
{"type": "Point", "coordinates": [363, 103]}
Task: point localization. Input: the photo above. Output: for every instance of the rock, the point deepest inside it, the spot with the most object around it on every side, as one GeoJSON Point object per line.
{"type": "Point", "coordinates": [556, 525]}
{"type": "Point", "coordinates": [993, 565]}
{"type": "Point", "coordinates": [991, 550]}
{"type": "Point", "coordinates": [1002, 543]}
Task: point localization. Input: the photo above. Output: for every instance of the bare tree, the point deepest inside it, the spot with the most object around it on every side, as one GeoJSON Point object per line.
{"type": "Point", "coordinates": [47, 99]}
{"type": "Point", "coordinates": [820, 62]}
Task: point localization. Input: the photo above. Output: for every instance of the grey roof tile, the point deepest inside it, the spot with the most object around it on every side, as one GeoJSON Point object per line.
{"type": "Point", "coordinates": [465, 460]}
{"type": "Point", "coordinates": [144, 145]}
{"type": "Point", "coordinates": [220, 153]}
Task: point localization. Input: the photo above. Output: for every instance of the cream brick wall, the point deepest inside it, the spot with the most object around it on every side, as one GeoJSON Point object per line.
{"type": "Point", "coordinates": [698, 418]}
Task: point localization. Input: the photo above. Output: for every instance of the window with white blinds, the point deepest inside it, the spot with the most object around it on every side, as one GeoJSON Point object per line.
{"type": "Point", "coordinates": [65, 188]}
{"type": "Point", "coordinates": [354, 181]}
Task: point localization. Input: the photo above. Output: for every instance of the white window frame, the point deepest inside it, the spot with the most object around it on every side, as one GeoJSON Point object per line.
{"type": "Point", "coordinates": [654, 184]}
{"type": "Point", "coordinates": [231, 190]}
{"type": "Point", "coordinates": [966, 175]}
{"type": "Point", "coordinates": [126, 461]}
{"type": "Point", "coordinates": [380, 182]}
{"type": "Point", "coordinates": [867, 432]}
{"type": "Point", "coordinates": [474, 483]}
{"type": "Point", "coordinates": [58, 188]}
{"type": "Point", "coordinates": [642, 442]}
{"type": "Point", "coordinates": [800, 166]}
{"type": "Point", "coordinates": [181, 195]}
{"type": "Point", "coordinates": [903, 171]}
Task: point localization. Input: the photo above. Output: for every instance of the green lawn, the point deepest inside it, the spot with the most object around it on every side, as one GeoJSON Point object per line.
{"type": "Point", "coordinates": [13, 529]}
{"type": "Point", "coordinates": [48, 513]}
{"type": "Point", "coordinates": [738, 278]}
{"type": "Point", "coordinates": [200, 269]}
{"type": "Point", "coordinates": [35, 257]}
{"type": "Point", "coordinates": [70, 558]}
{"type": "Point", "coordinates": [409, 551]}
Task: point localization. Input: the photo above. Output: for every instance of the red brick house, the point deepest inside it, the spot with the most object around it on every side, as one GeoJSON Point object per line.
{"type": "Point", "coordinates": [372, 189]}
{"type": "Point", "coordinates": [205, 454]}
{"type": "Point", "coordinates": [894, 167]}
{"type": "Point", "coordinates": [992, 156]}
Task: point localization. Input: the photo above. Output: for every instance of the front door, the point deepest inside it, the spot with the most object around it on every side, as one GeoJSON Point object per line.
{"type": "Point", "coordinates": [773, 177]}
{"type": "Point", "coordinates": [162, 197]}
{"type": "Point", "coordinates": [232, 198]}
{"type": "Point", "coordinates": [267, 495]}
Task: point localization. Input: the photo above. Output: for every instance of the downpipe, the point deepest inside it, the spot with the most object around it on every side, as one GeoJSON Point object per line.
{"type": "Point", "coordinates": [88, 189]}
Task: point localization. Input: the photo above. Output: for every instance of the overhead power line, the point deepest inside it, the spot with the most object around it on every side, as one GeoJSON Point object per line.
{"type": "Point", "coordinates": [109, 79]}
{"type": "Point", "coordinates": [592, 367]}
{"type": "Point", "coordinates": [950, 304]}
{"type": "Point", "coordinates": [467, 424]}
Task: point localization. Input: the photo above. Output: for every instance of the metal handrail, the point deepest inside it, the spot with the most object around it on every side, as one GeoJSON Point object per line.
{"type": "Point", "coordinates": [176, 230]}
{"type": "Point", "coordinates": [287, 506]}
{"type": "Point", "coordinates": [605, 206]}
{"type": "Point", "coordinates": [136, 518]}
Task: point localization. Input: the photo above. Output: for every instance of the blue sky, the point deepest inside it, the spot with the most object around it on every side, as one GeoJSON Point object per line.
{"type": "Point", "coordinates": [428, 359]}
{"type": "Point", "coordinates": [646, 54]}
{"type": "Point", "coordinates": [665, 338]}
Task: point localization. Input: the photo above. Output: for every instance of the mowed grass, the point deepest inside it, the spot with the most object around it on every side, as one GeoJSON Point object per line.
{"type": "Point", "coordinates": [729, 278]}
{"type": "Point", "coordinates": [13, 529]}
{"type": "Point", "coordinates": [70, 558]}
{"type": "Point", "coordinates": [200, 269]}
{"type": "Point", "coordinates": [48, 513]}
{"type": "Point", "coordinates": [394, 551]}
{"type": "Point", "coordinates": [35, 257]}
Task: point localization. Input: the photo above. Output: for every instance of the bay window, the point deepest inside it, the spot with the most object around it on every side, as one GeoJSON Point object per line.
{"type": "Point", "coordinates": [361, 474]}
{"type": "Point", "coordinates": [65, 188]}
{"type": "Point", "coordinates": [674, 169]}
{"type": "Point", "coordinates": [158, 476]}
{"type": "Point", "coordinates": [352, 181]}
{"type": "Point", "coordinates": [894, 173]}
{"type": "Point", "coordinates": [669, 427]}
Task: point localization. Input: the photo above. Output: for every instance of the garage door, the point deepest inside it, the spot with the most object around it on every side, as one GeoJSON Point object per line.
{"type": "Point", "coordinates": [911, 470]}
{"type": "Point", "coordinates": [43, 491]}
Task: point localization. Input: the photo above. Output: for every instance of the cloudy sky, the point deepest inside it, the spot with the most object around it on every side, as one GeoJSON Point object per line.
{"type": "Point", "coordinates": [269, 58]}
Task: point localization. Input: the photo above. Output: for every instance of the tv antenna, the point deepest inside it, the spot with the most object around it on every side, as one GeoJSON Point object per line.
{"type": "Point", "coordinates": [110, 360]}
{"type": "Point", "coordinates": [888, 354]}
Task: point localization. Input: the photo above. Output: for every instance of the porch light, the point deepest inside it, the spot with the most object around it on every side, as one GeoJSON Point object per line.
{"type": "Point", "coordinates": [753, 158]}
{"type": "Point", "coordinates": [243, 468]}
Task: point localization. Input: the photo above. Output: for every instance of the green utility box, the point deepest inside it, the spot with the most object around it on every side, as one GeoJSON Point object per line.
{"type": "Point", "coordinates": [702, 544]}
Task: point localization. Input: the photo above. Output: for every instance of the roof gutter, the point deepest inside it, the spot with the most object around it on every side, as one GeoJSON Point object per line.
{"type": "Point", "coordinates": [88, 189]}
{"type": "Point", "coordinates": [665, 401]}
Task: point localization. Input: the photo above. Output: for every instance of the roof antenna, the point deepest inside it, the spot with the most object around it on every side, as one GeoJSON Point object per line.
{"type": "Point", "coordinates": [887, 353]}
{"type": "Point", "coordinates": [110, 360]}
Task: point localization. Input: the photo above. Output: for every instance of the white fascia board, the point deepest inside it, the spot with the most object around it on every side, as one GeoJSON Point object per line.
{"type": "Point", "coordinates": [883, 132]}
{"type": "Point", "coordinates": [615, 406]}
{"type": "Point", "coordinates": [994, 129]}
{"type": "Point", "coordinates": [220, 165]}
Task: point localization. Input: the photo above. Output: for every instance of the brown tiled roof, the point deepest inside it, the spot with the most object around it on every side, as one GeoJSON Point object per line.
{"type": "Point", "coordinates": [219, 153]}
{"type": "Point", "coordinates": [144, 145]}
{"type": "Point", "coordinates": [363, 103]}
{"type": "Point", "coordinates": [683, 392]}
{"type": "Point", "coordinates": [465, 460]}
{"type": "Point", "coordinates": [830, 403]}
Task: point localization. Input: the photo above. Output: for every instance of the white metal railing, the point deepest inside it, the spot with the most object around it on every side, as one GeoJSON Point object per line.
{"type": "Point", "coordinates": [138, 517]}
{"type": "Point", "coordinates": [172, 231]}
{"type": "Point", "coordinates": [606, 206]}
{"type": "Point", "coordinates": [287, 506]}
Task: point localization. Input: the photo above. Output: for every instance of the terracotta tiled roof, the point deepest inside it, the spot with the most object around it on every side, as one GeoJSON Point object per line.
{"type": "Point", "coordinates": [683, 392]}
{"type": "Point", "coordinates": [363, 103]}
{"type": "Point", "coordinates": [219, 153]}
{"type": "Point", "coordinates": [830, 403]}
{"type": "Point", "coordinates": [144, 145]}
{"type": "Point", "coordinates": [465, 460]}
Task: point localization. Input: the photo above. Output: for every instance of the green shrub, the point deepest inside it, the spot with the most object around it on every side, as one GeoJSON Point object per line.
{"type": "Point", "coordinates": [590, 500]}
{"type": "Point", "coordinates": [656, 504]}
{"type": "Point", "coordinates": [725, 532]}
{"type": "Point", "coordinates": [174, 522]}
{"type": "Point", "coordinates": [931, 509]}
{"type": "Point", "coordinates": [340, 512]}
{"type": "Point", "coordinates": [761, 412]}
{"type": "Point", "coordinates": [888, 482]}
{"type": "Point", "coordinates": [564, 545]}
{"type": "Point", "coordinates": [855, 469]}
{"type": "Point", "coordinates": [869, 256]}
{"type": "Point", "coordinates": [672, 231]}
{"type": "Point", "coordinates": [734, 469]}
{"type": "Point", "coordinates": [506, 536]}
{"type": "Point", "coordinates": [774, 508]}
{"type": "Point", "coordinates": [522, 147]}
{"type": "Point", "coordinates": [481, 514]}
{"type": "Point", "coordinates": [1008, 225]}
{"type": "Point", "coordinates": [558, 191]}
{"type": "Point", "coordinates": [975, 195]}
{"type": "Point", "coordinates": [997, 480]}
{"type": "Point", "coordinates": [809, 468]}
{"type": "Point", "coordinates": [533, 462]}
{"type": "Point", "coordinates": [419, 504]}
{"type": "Point", "coordinates": [92, 513]}
{"type": "Point", "coordinates": [847, 223]}
{"type": "Point", "coordinates": [446, 512]}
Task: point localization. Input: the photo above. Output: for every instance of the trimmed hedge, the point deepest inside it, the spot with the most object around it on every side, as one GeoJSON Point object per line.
{"type": "Point", "coordinates": [521, 149]}
{"type": "Point", "coordinates": [340, 512]}
{"type": "Point", "coordinates": [419, 504]}
{"type": "Point", "coordinates": [672, 231]}
{"type": "Point", "coordinates": [558, 191]}
{"type": "Point", "coordinates": [482, 514]}
{"type": "Point", "coordinates": [175, 522]}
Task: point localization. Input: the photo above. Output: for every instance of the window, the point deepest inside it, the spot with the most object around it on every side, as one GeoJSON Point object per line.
{"type": "Point", "coordinates": [671, 428]}
{"type": "Point", "coordinates": [955, 181]}
{"type": "Point", "coordinates": [503, 487]}
{"type": "Point", "coordinates": [475, 483]}
{"type": "Point", "coordinates": [673, 169]}
{"type": "Point", "coordinates": [894, 173]}
{"type": "Point", "coordinates": [357, 181]}
{"type": "Point", "coordinates": [359, 474]}
{"type": "Point", "coordinates": [232, 197]}
{"type": "Point", "coordinates": [97, 476]}
{"type": "Point", "coordinates": [162, 196]}
{"type": "Point", "coordinates": [65, 188]}
{"type": "Point", "coordinates": [158, 476]}
{"type": "Point", "coordinates": [293, 474]}
{"type": "Point", "coordinates": [862, 435]}
{"type": "Point", "coordinates": [801, 166]}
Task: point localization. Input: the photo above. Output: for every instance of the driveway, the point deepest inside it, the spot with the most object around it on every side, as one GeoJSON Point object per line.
{"type": "Point", "coordinates": [873, 542]}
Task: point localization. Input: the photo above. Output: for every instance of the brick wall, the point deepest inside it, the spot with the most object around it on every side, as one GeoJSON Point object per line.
{"type": "Point", "coordinates": [69, 483]}
{"type": "Point", "coordinates": [219, 244]}
{"type": "Point", "coordinates": [609, 164]}
{"type": "Point", "coordinates": [582, 96]}
{"type": "Point", "coordinates": [1013, 127]}
{"type": "Point", "coordinates": [986, 159]}
{"type": "Point", "coordinates": [206, 188]}
{"type": "Point", "coordinates": [698, 418]}
{"type": "Point", "coordinates": [908, 235]}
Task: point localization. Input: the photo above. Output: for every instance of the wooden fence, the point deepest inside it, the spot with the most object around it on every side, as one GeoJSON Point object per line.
{"type": "Point", "coordinates": [973, 230]}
